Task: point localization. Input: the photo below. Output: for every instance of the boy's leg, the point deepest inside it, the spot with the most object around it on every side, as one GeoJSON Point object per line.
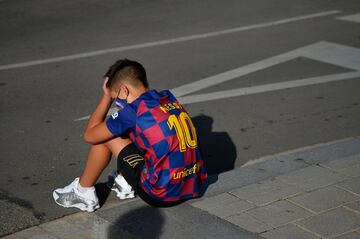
{"type": "Point", "coordinates": [83, 196]}
{"type": "Point", "coordinates": [99, 157]}
{"type": "Point", "coordinates": [130, 164]}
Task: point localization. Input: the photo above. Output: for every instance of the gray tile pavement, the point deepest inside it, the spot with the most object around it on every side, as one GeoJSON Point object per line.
{"type": "Point", "coordinates": [349, 166]}
{"type": "Point", "coordinates": [312, 177]}
{"type": "Point", "coordinates": [248, 222]}
{"type": "Point", "coordinates": [288, 231]}
{"type": "Point", "coordinates": [279, 213]}
{"type": "Point", "coordinates": [267, 191]}
{"type": "Point", "coordinates": [352, 171]}
{"type": "Point", "coordinates": [224, 205]}
{"type": "Point", "coordinates": [351, 235]}
{"type": "Point", "coordinates": [319, 200]}
{"type": "Point", "coordinates": [343, 163]}
{"type": "Point", "coordinates": [332, 223]}
{"type": "Point", "coordinates": [324, 198]}
{"type": "Point", "coordinates": [353, 206]}
{"type": "Point", "coordinates": [352, 185]}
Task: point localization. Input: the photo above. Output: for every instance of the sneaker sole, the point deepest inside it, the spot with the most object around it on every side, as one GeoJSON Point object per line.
{"type": "Point", "coordinates": [122, 195]}
{"type": "Point", "coordinates": [81, 206]}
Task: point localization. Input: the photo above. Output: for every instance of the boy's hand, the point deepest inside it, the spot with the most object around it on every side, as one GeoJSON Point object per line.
{"type": "Point", "coordinates": [96, 131]}
{"type": "Point", "coordinates": [106, 90]}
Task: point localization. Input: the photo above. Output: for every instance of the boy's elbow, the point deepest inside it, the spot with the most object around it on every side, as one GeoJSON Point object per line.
{"type": "Point", "coordinates": [96, 135]}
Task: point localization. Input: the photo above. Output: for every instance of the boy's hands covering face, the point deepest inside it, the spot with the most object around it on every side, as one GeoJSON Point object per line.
{"type": "Point", "coordinates": [106, 90]}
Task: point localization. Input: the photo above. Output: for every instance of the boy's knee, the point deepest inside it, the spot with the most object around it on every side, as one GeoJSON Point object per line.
{"type": "Point", "coordinates": [116, 145]}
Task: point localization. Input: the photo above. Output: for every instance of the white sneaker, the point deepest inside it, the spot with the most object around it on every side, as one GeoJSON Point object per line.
{"type": "Point", "coordinates": [121, 187]}
{"type": "Point", "coordinates": [70, 196]}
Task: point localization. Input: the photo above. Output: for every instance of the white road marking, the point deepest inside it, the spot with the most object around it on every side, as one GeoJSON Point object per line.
{"type": "Point", "coordinates": [165, 42]}
{"type": "Point", "coordinates": [351, 18]}
{"type": "Point", "coordinates": [340, 55]}
{"type": "Point", "coordinates": [88, 117]}
{"type": "Point", "coordinates": [232, 74]}
{"type": "Point", "coordinates": [267, 87]}
{"type": "Point", "coordinates": [111, 111]}
{"type": "Point", "coordinates": [332, 53]}
{"type": "Point", "coordinates": [344, 56]}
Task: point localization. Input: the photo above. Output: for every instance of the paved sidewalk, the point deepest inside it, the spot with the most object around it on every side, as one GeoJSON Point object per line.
{"type": "Point", "coordinates": [318, 201]}
{"type": "Point", "coordinates": [312, 192]}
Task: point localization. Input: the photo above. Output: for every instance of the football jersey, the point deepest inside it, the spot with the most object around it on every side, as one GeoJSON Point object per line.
{"type": "Point", "coordinates": [162, 129]}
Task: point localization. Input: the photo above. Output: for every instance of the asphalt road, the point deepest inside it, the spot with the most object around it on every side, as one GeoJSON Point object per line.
{"type": "Point", "coordinates": [41, 145]}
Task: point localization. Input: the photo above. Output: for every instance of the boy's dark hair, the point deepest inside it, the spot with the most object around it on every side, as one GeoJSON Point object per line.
{"type": "Point", "coordinates": [126, 70]}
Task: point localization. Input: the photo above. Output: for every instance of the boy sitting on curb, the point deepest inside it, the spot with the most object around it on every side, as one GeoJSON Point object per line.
{"type": "Point", "coordinates": [152, 137]}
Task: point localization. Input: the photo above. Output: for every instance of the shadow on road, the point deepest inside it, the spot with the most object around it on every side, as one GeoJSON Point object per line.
{"type": "Point", "coordinates": [143, 222]}
{"type": "Point", "coordinates": [218, 149]}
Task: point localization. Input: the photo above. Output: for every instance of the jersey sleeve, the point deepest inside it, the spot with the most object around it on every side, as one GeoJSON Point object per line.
{"type": "Point", "coordinates": [169, 94]}
{"type": "Point", "coordinates": [121, 121]}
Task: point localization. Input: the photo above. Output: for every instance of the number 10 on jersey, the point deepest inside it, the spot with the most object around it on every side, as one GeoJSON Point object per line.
{"type": "Point", "coordinates": [185, 130]}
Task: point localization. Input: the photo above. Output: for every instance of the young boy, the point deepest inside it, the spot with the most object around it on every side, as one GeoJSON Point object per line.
{"type": "Point", "coordinates": [152, 137]}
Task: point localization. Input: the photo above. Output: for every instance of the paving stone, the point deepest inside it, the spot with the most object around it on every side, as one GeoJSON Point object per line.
{"type": "Point", "coordinates": [266, 191]}
{"type": "Point", "coordinates": [352, 185]}
{"type": "Point", "coordinates": [223, 205]}
{"type": "Point", "coordinates": [351, 235]}
{"type": "Point", "coordinates": [343, 163]}
{"type": "Point", "coordinates": [354, 206]}
{"type": "Point", "coordinates": [82, 225]}
{"type": "Point", "coordinates": [249, 223]}
{"type": "Point", "coordinates": [332, 223]}
{"type": "Point", "coordinates": [279, 213]}
{"type": "Point", "coordinates": [352, 172]}
{"type": "Point", "coordinates": [214, 201]}
{"type": "Point", "coordinates": [312, 177]}
{"type": "Point", "coordinates": [31, 233]}
{"type": "Point", "coordinates": [324, 199]}
{"type": "Point", "coordinates": [230, 209]}
{"type": "Point", "coordinates": [288, 231]}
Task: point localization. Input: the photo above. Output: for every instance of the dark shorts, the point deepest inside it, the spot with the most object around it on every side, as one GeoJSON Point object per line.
{"type": "Point", "coordinates": [130, 164]}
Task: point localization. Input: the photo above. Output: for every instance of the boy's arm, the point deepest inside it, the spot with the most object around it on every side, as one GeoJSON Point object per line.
{"type": "Point", "coordinates": [96, 131]}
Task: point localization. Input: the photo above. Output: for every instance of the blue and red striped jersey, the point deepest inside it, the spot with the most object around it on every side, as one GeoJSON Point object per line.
{"type": "Point", "coordinates": [162, 129]}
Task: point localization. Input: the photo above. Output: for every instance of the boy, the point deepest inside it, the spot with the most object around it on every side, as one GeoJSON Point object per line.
{"type": "Point", "coordinates": [152, 137]}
